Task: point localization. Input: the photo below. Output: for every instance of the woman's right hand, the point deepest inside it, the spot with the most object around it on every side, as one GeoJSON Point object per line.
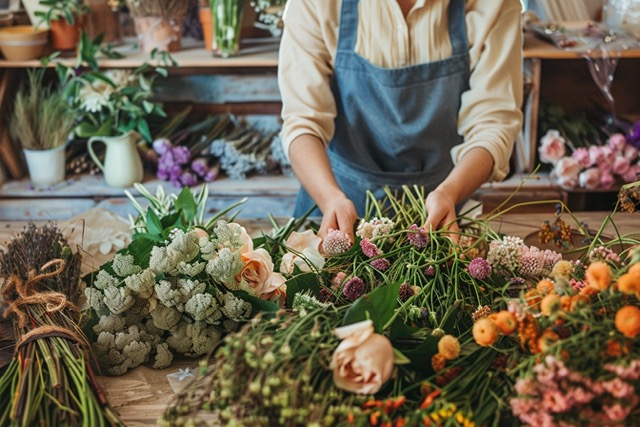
{"type": "Point", "coordinates": [338, 213]}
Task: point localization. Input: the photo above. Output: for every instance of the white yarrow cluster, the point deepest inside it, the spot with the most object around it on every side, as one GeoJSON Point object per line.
{"type": "Point", "coordinates": [375, 228]}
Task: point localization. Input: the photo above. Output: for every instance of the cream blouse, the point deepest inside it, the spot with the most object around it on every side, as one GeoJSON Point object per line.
{"type": "Point", "coordinates": [489, 116]}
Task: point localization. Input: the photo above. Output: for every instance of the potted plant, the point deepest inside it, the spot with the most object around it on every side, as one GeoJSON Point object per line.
{"type": "Point", "coordinates": [112, 106]}
{"type": "Point", "coordinates": [42, 122]}
{"type": "Point", "coordinates": [64, 18]}
{"type": "Point", "coordinates": [158, 23]}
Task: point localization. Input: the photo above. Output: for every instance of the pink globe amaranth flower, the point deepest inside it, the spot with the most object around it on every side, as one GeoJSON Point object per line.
{"type": "Point", "coordinates": [479, 268]}
{"type": "Point", "coordinates": [607, 180]}
{"type": "Point", "coordinates": [369, 248]}
{"type": "Point", "coordinates": [632, 174]}
{"type": "Point", "coordinates": [589, 178]}
{"type": "Point", "coordinates": [582, 157]}
{"type": "Point", "coordinates": [430, 271]}
{"type": "Point", "coordinates": [335, 242]}
{"type": "Point", "coordinates": [418, 237]}
{"type": "Point", "coordinates": [617, 141]}
{"type": "Point", "coordinates": [552, 147]}
{"type": "Point", "coordinates": [354, 288]}
{"type": "Point", "coordinates": [337, 280]}
{"type": "Point", "coordinates": [620, 165]}
{"type": "Point", "coordinates": [405, 292]}
{"type": "Point", "coordinates": [381, 264]}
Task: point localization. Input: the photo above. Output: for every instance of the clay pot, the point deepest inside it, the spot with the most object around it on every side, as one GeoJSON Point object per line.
{"type": "Point", "coordinates": [63, 35]}
{"type": "Point", "coordinates": [206, 20]}
{"type": "Point", "coordinates": [159, 33]}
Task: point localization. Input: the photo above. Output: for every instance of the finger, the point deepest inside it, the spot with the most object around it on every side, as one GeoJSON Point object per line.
{"type": "Point", "coordinates": [345, 225]}
{"type": "Point", "coordinates": [328, 221]}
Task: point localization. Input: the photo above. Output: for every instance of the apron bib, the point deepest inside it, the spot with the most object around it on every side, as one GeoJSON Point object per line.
{"type": "Point", "coordinates": [394, 126]}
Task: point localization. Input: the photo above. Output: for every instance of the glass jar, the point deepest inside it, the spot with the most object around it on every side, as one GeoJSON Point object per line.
{"type": "Point", "coordinates": [227, 23]}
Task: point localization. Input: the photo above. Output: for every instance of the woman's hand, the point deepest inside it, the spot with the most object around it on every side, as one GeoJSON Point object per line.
{"type": "Point", "coordinates": [441, 213]}
{"type": "Point", "coordinates": [338, 213]}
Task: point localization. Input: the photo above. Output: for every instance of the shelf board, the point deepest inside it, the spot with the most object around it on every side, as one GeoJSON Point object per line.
{"type": "Point", "coordinates": [254, 53]}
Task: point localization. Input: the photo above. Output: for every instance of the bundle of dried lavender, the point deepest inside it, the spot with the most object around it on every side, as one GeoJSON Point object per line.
{"type": "Point", "coordinates": [49, 380]}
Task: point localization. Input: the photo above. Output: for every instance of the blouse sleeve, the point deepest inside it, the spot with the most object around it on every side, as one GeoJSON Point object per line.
{"type": "Point", "coordinates": [304, 75]}
{"type": "Point", "coordinates": [490, 115]}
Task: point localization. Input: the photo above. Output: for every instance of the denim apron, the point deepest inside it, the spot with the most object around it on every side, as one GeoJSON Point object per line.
{"type": "Point", "coordinates": [395, 126]}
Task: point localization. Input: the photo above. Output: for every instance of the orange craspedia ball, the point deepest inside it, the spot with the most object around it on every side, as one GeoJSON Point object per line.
{"type": "Point", "coordinates": [550, 304]}
{"type": "Point", "coordinates": [438, 362]}
{"type": "Point", "coordinates": [485, 332]}
{"type": "Point", "coordinates": [565, 302]}
{"type": "Point", "coordinates": [505, 321]}
{"type": "Point", "coordinates": [628, 283]}
{"type": "Point", "coordinates": [545, 286]}
{"type": "Point", "coordinates": [598, 275]}
{"type": "Point", "coordinates": [635, 269]}
{"type": "Point", "coordinates": [577, 301]}
{"type": "Point", "coordinates": [547, 339]}
{"type": "Point", "coordinates": [533, 298]}
{"type": "Point", "coordinates": [449, 347]}
{"type": "Point", "coordinates": [628, 321]}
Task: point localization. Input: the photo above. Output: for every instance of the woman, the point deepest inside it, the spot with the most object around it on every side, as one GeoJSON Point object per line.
{"type": "Point", "coordinates": [398, 92]}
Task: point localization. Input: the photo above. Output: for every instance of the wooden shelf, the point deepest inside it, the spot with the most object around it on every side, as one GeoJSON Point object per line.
{"type": "Point", "coordinates": [535, 47]}
{"type": "Point", "coordinates": [255, 53]}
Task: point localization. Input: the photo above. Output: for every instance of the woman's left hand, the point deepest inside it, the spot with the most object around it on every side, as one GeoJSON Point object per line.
{"type": "Point", "coordinates": [441, 213]}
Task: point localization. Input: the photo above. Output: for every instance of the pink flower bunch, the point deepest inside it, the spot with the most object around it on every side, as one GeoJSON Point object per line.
{"type": "Point", "coordinates": [555, 394]}
{"type": "Point", "coordinates": [593, 167]}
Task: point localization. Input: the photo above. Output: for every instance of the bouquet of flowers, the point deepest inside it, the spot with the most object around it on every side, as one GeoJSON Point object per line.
{"type": "Point", "coordinates": [179, 286]}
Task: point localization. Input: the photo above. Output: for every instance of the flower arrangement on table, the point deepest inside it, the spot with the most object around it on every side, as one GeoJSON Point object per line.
{"type": "Point", "coordinates": [179, 286]}
{"type": "Point", "coordinates": [402, 328]}
{"type": "Point", "coordinates": [584, 155]}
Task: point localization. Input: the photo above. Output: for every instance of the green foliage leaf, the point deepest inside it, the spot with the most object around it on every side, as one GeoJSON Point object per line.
{"type": "Point", "coordinates": [154, 226]}
{"type": "Point", "coordinates": [378, 305]}
{"type": "Point", "coordinates": [258, 304]}
{"type": "Point", "coordinates": [306, 282]}
{"type": "Point", "coordinates": [187, 204]}
{"type": "Point", "coordinates": [399, 358]}
{"type": "Point", "coordinates": [421, 355]}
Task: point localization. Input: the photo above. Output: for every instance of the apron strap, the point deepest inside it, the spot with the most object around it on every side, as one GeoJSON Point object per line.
{"type": "Point", "coordinates": [458, 28]}
{"type": "Point", "coordinates": [348, 26]}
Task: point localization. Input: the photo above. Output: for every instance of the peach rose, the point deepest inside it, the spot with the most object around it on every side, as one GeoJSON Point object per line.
{"type": "Point", "coordinates": [363, 361]}
{"type": "Point", "coordinates": [307, 244]}
{"type": "Point", "coordinates": [566, 172]}
{"type": "Point", "coordinates": [257, 272]}
{"type": "Point", "coordinates": [590, 178]}
{"type": "Point", "coordinates": [552, 147]}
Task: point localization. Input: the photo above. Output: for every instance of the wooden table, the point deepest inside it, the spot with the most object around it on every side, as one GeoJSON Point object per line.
{"type": "Point", "coordinates": [141, 395]}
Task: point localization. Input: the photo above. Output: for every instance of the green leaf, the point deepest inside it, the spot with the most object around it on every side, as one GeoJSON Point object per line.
{"type": "Point", "coordinates": [258, 304]}
{"type": "Point", "coordinates": [171, 221]}
{"type": "Point", "coordinates": [187, 204]}
{"type": "Point", "coordinates": [148, 106]}
{"type": "Point", "coordinates": [86, 129]}
{"type": "Point", "coordinates": [421, 355]}
{"type": "Point", "coordinates": [399, 358]}
{"type": "Point", "coordinates": [400, 330]}
{"type": "Point", "coordinates": [154, 226]}
{"type": "Point", "coordinates": [378, 305]}
{"type": "Point", "coordinates": [149, 236]}
{"type": "Point", "coordinates": [302, 283]}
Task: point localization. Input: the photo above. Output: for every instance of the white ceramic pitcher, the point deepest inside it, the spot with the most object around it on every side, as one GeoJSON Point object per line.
{"type": "Point", "coordinates": [122, 165]}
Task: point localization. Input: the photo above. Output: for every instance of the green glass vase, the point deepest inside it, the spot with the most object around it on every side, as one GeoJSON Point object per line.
{"type": "Point", "coordinates": [227, 22]}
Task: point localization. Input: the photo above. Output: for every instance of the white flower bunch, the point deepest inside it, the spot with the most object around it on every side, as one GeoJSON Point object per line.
{"type": "Point", "coordinates": [181, 302]}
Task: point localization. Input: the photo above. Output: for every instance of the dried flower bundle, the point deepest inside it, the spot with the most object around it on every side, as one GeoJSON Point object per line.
{"type": "Point", "coordinates": [50, 378]}
{"type": "Point", "coordinates": [158, 8]}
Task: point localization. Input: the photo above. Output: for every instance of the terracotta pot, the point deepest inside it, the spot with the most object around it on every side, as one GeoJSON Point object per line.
{"type": "Point", "coordinates": [22, 42]}
{"type": "Point", "coordinates": [206, 20]}
{"type": "Point", "coordinates": [159, 33]}
{"type": "Point", "coordinates": [102, 20]}
{"type": "Point", "coordinates": [65, 36]}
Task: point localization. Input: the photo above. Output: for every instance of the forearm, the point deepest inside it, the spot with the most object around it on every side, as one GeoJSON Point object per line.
{"type": "Point", "coordinates": [472, 170]}
{"type": "Point", "coordinates": [312, 168]}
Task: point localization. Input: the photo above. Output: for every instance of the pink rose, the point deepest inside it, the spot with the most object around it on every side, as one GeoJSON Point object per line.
{"type": "Point", "coordinates": [363, 361]}
{"type": "Point", "coordinates": [632, 174]}
{"type": "Point", "coordinates": [608, 153]}
{"type": "Point", "coordinates": [607, 180]}
{"type": "Point", "coordinates": [596, 155]}
{"type": "Point", "coordinates": [257, 272]}
{"type": "Point", "coordinates": [279, 295]}
{"type": "Point", "coordinates": [617, 142]}
{"type": "Point", "coordinates": [552, 147]}
{"type": "Point", "coordinates": [303, 250]}
{"type": "Point", "coordinates": [581, 155]}
{"type": "Point", "coordinates": [620, 165]}
{"type": "Point", "coordinates": [566, 172]}
{"type": "Point", "coordinates": [590, 178]}
{"type": "Point", "coordinates": [630, 152]}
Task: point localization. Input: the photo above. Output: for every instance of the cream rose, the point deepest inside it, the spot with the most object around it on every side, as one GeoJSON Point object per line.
{"type": "Point", "coordinates": [363, 361]}
{"type": "Point", "coordinates": [257, 272]}
{"type": "Point", "coordinates": [306, 243]}
{"type": "Point", "coordinates": [552, 147]}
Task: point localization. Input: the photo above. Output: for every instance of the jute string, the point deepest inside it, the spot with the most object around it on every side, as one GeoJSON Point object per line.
{"type": "Point", "coordinates": [27, 294]}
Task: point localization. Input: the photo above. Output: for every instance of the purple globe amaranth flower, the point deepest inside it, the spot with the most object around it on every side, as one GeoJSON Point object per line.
{"type": "Point", "coordinates": [430, 271]}
{"type": "Point", "coordinates": [354, 288]}
{"type": "Point", "coordinates": [381, 264]}
{"type": "Point", "coordinates": [634, 135]}
{"type": "Point", "coordinates": [211, 175]}
{"type": "Point", "coordinates": [406, 292]}
{"type": "Point", "coordinates": [200, 166]}
{"type": "Point", "coordinates": [369, 248]}
{"type": "Point", "coordinates": [324, 295]}
{"type": "Point", "coordinates": [418, 237]}
{"type": "Point", "coordinates": [188, 179]}
{"type": "Point", "coordinates": [181, 154]}
{"type": "Point", "coordinates": [161, 146]}
{"type": "Point", "coordinates": [479, 268]}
